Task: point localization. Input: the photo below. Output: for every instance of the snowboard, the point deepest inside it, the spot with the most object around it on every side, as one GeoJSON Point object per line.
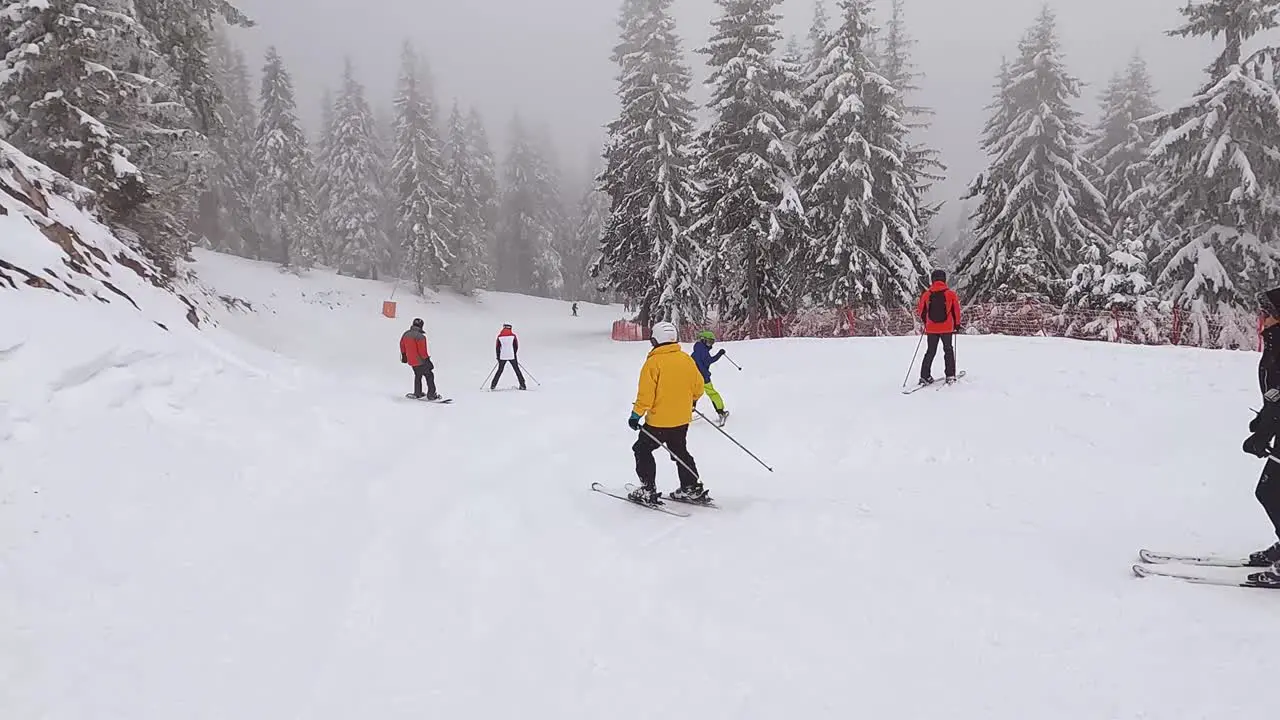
{"type": "Point", "coordinates": [440, 401]}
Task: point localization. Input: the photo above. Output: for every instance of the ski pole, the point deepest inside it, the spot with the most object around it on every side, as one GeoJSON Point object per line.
{"type": "Point", "coordinates": [525, 368]}
{"type": "Point", "coordinates": [673, 455]}
{"type": "Point", "coordinates": [913, 360]}
{"type": "Point", "coordinates": [731, 362]}
{"type": "Point", "coordinates": [486, 377]}
{"type": "Point", "coordinates": [735, 442]}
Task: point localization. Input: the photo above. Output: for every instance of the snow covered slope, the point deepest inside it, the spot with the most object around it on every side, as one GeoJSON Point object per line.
{"type": "Point", "coordinates": [252, 522]}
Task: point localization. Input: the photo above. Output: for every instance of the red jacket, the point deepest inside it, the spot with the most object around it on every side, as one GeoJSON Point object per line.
{"type": "Point", "coordinates": [948, 301]}
{"type": "Point", "coordinates": [413, 347]}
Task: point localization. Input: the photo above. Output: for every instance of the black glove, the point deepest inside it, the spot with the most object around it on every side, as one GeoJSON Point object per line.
{"type": "Point", "coordinates": [959, 328]}
{"type": "Point", "coordinates": [403, 358]}
{"type": "Point", "coordinates": [1259, 444]}
{"type": "Point", "coordinates": [634, 422]}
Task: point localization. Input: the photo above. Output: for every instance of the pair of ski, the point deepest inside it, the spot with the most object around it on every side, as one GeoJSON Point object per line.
{"type": "Point", "coordinates": [1156, 564]}
{"type": "Point", "coordinates": [937, 385]}
{"type": "Point", "coordinates": [659, 508]}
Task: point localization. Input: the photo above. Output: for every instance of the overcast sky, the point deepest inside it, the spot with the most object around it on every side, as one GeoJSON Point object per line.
{"type": "Point", "coordinates": [550, 58]}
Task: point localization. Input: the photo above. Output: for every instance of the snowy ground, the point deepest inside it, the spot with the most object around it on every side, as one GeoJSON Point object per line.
{"type": "Point", "coordinates": [252, 522]}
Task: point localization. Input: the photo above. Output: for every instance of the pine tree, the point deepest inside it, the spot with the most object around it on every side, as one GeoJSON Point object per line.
{"type": "Point", "coordinates": [1040, 211]}
{"type": "Point", "coordinates": [647, 255]}
{"type": "Point", "coordinates": [226, 217]}
{"type": "Point", "coordinates": [1219, 156]}
{"type": "Point", "coordinates": [353, 182]}
{"type": "Point", "coordinates": [921, 163]}
{"type": "Point", "coordinates": [423, 218]}
{"type": "Point", "coordinates": [487, 187]}
{"type": "Point", "coordinates": [285, 209]}
{"type": "Point", "coordinates": [556, 214]}
{"type": "Point", "coordinates": [592, 219]}
{"type": "Point", "coordinates": [183, 33]}
{"type": "Point", "coordinates": [1120, 150]}
{"type": "Point", "coordinates": [323, 153]}
{"type": "Point", "coordinates": [527, 261]}
{"type": "Point", "coordinates": [818, 31]}
{"type": "Point", "coordinates": [748, 208]}
{"type": "Point", "coordinates": [864, 245]}
{"type": "Point", "coordinates": [466, 219]}
{"type": "Point", "coordinates": [87, 94]}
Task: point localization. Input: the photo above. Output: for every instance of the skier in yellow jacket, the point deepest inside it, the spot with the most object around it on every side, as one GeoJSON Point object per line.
{"type": "Point", "coordinates": [670, 385]}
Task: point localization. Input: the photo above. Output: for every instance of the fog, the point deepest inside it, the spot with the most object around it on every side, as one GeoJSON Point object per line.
{"type": "Point", "coordinates": [550, 58]}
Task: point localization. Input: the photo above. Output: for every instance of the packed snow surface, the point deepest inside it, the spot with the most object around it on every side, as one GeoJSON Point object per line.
{"type": "Point", "coordinates": [251, 521]}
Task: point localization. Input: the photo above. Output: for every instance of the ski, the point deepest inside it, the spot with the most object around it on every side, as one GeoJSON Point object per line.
{"type": "Point", "coordinates": [438, 401]}
{"type": "Point", "coordinates": [1210, 560]}
{"type": "Point", "coordinates": [606, 491]}
{"type": "Point", "coordinates": [709, 504]}
{"type": "Point", "coordinates": [1200, 579]}
{"type": "Point", "coordinates": [936, 384]}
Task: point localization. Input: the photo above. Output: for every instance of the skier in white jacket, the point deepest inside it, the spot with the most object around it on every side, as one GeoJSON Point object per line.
{"type": "Point", "coordinates": [506, 349]}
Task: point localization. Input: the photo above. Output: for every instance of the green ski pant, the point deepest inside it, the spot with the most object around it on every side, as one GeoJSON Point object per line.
{"type": "Point", "coordinates": [716, 400]}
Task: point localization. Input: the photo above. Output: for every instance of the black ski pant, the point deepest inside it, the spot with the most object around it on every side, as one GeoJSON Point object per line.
{"type": "Point", "coordinates": [676, 441]}
{"type": "Point", "coordinates": [948, 354]}
{"type": "Point", "coordinates": [425, 370]}
{"type": "Point", "coordinates": [1268, 493]}
{"type": "Point", "coordinates": [502, 365]}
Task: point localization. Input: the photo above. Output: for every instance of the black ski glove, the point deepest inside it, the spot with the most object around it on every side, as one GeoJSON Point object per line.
{"type": "Point", "coordinates": [403, 358]}
{"type": "Point", "coordinates": [1258, 444]}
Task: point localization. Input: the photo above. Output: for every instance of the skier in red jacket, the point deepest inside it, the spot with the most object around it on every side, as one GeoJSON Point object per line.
{"type": "Point", "coordinates": [413, 350]}
{"type": "Point", "coordinates": [939, 308]}
{"type": "Point", "coordinates": [506, 350]}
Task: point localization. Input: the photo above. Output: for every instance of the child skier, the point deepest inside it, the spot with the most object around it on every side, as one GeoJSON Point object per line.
{"type": "Point", "coordinates": [704, 359]}
{"type": "Point", "coordinates": [670, 385]}
{"type": "Point", "coordinates": [939, 308]}
{"type": "Point", "coordinates": [506, 348]}
{"type": "Point", "coordinates": [1264, 429]}
{"type": "Point", "coordinates": [413, 351]}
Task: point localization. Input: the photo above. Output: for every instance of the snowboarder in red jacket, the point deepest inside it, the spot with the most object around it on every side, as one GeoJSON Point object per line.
{"type": "Point", "coordinates": [939, 308]}
{"type": "Point", "coordinates": [413, 350]}
{"type": "Point", "coordinates": [506, 349]}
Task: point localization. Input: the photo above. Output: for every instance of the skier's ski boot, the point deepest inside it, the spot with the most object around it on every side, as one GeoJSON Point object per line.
{"type": "Point", "coordinates": [951, 379]}
{"type": "Point", "coordinates": [695, 493]}
{"type": "Point", "coordinates": [434, 396]}
{"type": "Point", "coordinates": [926, 381]}
{"type": "Point", "coordinates": [1270, 576]}
{"type": "Point", "coordinates": [645, 495]}
{"type": "Point", "coordinates": [1265, 558]}
{"type": "Point", "coordinates": [723, 415]}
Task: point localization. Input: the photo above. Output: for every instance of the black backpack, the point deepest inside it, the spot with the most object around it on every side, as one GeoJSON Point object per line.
{"type": "Point", "coordinates": [937, 306]}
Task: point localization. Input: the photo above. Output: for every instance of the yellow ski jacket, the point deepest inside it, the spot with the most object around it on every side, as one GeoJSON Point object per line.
{"type": "Point", "coordinates": [670, 384]}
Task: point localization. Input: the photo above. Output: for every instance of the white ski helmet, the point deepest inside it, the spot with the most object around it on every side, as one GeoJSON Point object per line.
{"type": "Point", "coordinates": [664, 332]}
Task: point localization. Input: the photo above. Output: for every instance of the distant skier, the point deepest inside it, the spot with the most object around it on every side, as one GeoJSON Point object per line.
{"type": "Point", "coordinates": [507, 348]}
{"type": "Point", "coordinates": [670, 385]}
{"type": "Point", "coordinates": [1264, 428]}
{"type": "Point", "coordinates": [939, 308]}
{"type": "Point", "coordinates": [413, 350]}
{"type": "Point", "coordinates": [575, 309]}
{"type": "Point", "coordinates": [704, 359]}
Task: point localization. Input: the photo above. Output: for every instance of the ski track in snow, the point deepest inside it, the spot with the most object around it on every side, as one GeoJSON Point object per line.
{"type": "Point", "coordinates": [251, 521]}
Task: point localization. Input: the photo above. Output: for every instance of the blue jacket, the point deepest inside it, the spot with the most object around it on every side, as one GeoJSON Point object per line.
{"type": "Point", "coordinates": [703, 357]}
